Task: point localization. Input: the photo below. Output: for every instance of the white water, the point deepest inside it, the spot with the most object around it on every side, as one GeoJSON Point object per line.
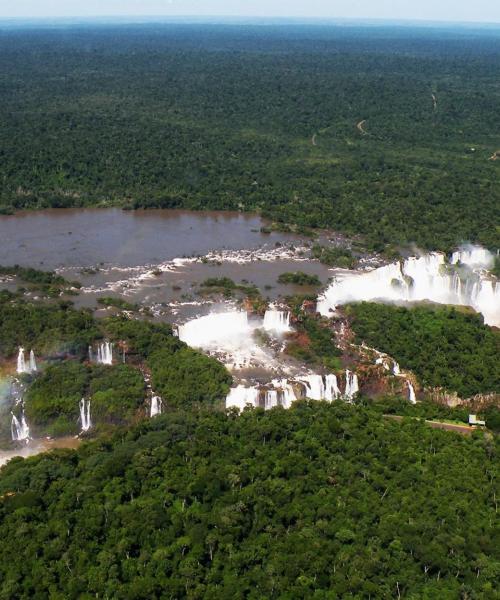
{"type": "Point", "coordinates": [240, 396]}
{"type": "Point", "coordinates": [411, 393]}
{"type": "Point", "coordinates": [22, 365]}
{"type": "Point", "coordinates": [428, 277]}
{"type": "Point", "coordinates": [216, 329]}
{"type": "Point", "coordinates": [277, 321]}
{"type": "Point", "coordinates": [315, 387]}
{"type": "Point", "coordinates": [473, 256]}
{"type": "Point", "coordinates": [286, 390]}
{"type": "Point", "coordinates": [156, 406]}
{"type": "Point", "coordinates": [32, 362]}
{"type": "Point", "coordinates": [332, 390]}
{"type": "Point", "coordinates": [271, 399]}
{"type": "Point", "coordinates": [351, 385]}
{"type": "Point", "coordinates": [20, 430]}
{"type": "Point", "coordinates": [85, 420]}
{"type": "Point", "coordinates": [104, 353]}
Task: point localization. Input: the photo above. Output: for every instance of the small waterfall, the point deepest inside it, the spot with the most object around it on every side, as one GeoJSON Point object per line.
{"type": "Point", "coordinates": [332, 390]}
{"type": "Point", "coordinates": [271, 400]}
{"type": "Point", "coordinates": [20, 430]}
{"type": "Point", "coordinates": [156, 406]}
{"type": "Point", "coordinates": [286, 391]}
{"type": "Point", "coordinates": [32, 362]}
{"type": "Point", "coordinates": [411, 393]}
{"type": "Point", "coordinates": [24, 366]}
{"type": "Point", "coordinates": [240, 396]}
{"type": "Point", "coordinates": [105, 353]}
{"type": "Point", "coordinates": [91, 354]}
{"type": "Point", "coordinates": [351, 385]}
{"type": "Point", "coordinates": [396, 369]}
{"type": "Point", "coordinates": [85, 420]}
{"type": "Point", "coordinates": [315, 387]}
{"type": "Point", "coordinates": [21, 363]}
{"type": "Point", "coordinates": [277, 321]}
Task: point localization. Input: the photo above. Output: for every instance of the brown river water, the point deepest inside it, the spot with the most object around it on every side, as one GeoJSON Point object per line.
{"type": "Point", "coordinates": [149, 257]}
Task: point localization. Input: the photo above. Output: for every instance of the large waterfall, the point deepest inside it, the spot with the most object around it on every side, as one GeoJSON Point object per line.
{"type": "Point", "coordinates": [429, 277]}
{"type": "Point", "coordinates": [19, 428]}
{"type": "Point", "coordinates": [277, 321]}
{"type": "Point", "coordinates": [24, 366]}
{"type": "Point", "coordinates": [156, 406]}
{"type": "Point", "coordinates": [216, 329]}
{"type": "Point", "coordinates": [281, 392]}
{"type": "Point", "coordinates": [85, 420]}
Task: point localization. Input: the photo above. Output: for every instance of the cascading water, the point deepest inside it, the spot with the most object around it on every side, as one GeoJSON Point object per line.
{"type": "Point", "coordinates": [396, 369]}
{"type": "Point", "coordinates": [85, 420]}
{"type": "Point", "coordinates": [21, 363]}
{"type": "Point", "coordinates": [32, 362]}
{"type": "Point", "coordinates": [240, 396]}
{"type": "Point", "coordinates": [473, 256]}
{"type": "Point", "coordinates": [351, 385]}
{"type": "Point", "coordinates": [24, 366]}
{"type": "Point", "coordinates": [105, 353]}
{"type": "Point", "coordinates": [332, 390]}
{"type": "Point", "coordinates": [19, 428]}
{"type": "Point", "coordinates": [411, 393]}
{"type": "Point", "coordinates": [277, 321]}
{"type": "Point", "coordinates": [271, 400]}
{"type": "Point", "coordinates": [315, 387]}
{"type": "Point", "coordinates": [428, 277]}
{"type": "Point", "coordinates": [286, 390]}
{"type": "Point", "coordinates": [156, 406]}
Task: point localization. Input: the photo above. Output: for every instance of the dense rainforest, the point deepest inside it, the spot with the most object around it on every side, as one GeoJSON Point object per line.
{"type": "Point", "coordinates": [444, 346]}
{"type": "Point", "coordinates": [390, 133]}
{"type": "Point", "coordinates": [62, 335]}
{"type": "Point", "coordinates": [322, 501]}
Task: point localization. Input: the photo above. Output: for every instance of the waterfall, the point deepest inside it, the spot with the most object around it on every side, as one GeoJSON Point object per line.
{"type": "Point", "coordinates": [473, 256]}
{"type": "Point", "coordinates": [411, 393]}
{"type": "Point", "coordinates": [19, 429]}
{"type": "Point", "coordinates": [351, 385]}
{"type": "Point", "coordinates": [215, 329]}
{"type": "Point", "coordinates": [286, 391]}
{"type": "Point", "coordinates": [91, 354]}
{"type": "Point", "coordinates": [85, 420]}
{"type": "Point", "coordinates": [396, 369]}
{"type": "Point", "coordinates": [277, 321]}
{"type": "Point", "coordinates": [240, 396]}
{"type": "Point", "coordinates": [156, 406]}
{"type": "Point", "coordinates": [105, 354]}
{"type": "Point", "coordinates": [24, 366]}
{"type": "Point", "coordinates": [32, 362]}
{"type": "Point", "coordinates": [21, 363]}
{"type": "Point", "coordinates": [427, 277]}
{"type": "Point", "coordinates": [332, 390]}
{"type": "Point", "coordinates": [315, 388]}
{"type": "Point", "coordinates": [271, 400]}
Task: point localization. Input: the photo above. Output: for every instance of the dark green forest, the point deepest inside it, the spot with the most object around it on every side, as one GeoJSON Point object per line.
{"type": "Point", "coordinates": [383, 132]}
{"type": "Point", "coordinates": [445, 347]}
{"type": "Point", "coordinates": [321, 501]}
{"type": "Point", "coordinates": [61, 335]}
